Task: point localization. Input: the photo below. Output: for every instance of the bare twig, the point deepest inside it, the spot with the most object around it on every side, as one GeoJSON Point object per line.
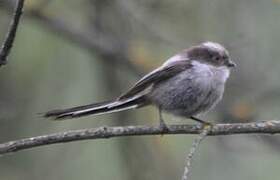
{"type": "Point", "coordinates": [193, 149]}
{"type": "Point", "coordinates": [267, 127]}
{"type": "Point", "coordinates": [11, 34]}
{"type": "Point", "coordinates": [95, 42]}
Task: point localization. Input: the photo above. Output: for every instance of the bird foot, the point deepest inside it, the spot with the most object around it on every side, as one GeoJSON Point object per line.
{"type": "Point", "coordinates": [163, 127]}
{"type": "Point", "coordinates": [204, 123]}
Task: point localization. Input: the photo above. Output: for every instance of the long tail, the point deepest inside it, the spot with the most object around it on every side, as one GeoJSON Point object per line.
{"type": "Point", "coordinates": [97, 108]}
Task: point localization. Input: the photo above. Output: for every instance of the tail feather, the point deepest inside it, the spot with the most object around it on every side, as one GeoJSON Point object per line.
{"type": "Point", "coordinates": [96, 109]}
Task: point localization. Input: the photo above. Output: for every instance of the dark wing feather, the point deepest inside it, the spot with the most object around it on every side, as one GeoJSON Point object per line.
{"type": "Point", "coordinates": [156, 76]}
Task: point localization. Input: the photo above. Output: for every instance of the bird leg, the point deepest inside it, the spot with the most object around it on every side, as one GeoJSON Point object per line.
{"type": "Point", "coordinates": [162, 124]}
{"type": "Point", "coordinates": [201, 121]}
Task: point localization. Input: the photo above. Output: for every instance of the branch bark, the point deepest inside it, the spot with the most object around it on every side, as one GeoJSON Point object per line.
{"type": "Point", "coordinates": [11, 34]}
{"type": "Point", "coordinates": [264, 127]}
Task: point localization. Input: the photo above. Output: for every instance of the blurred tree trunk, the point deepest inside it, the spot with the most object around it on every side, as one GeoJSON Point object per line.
{"type": "Point", "coordinates": [110, 21]}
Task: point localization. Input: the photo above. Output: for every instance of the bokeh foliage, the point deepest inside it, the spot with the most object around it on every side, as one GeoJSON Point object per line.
{"type": "Point", "coordinates": [46, 70]}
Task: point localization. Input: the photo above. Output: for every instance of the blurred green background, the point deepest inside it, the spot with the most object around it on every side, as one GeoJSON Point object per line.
{"type": "Point", "coordinates": [70, 53]}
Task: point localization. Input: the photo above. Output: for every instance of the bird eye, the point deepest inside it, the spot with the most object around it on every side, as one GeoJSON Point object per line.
{"type": "Point", "coordinates": [216, 58]}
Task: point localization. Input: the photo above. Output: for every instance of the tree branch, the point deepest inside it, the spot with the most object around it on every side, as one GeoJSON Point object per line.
{"type": "Point", "coordinates": [267, 127]}
{"type": "Point", "coordinates": [94, 42]}
{"type": "Point", "coordinates": [11, 34]}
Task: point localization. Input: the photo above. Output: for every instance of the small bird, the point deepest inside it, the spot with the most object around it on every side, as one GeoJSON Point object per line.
{"type": "Point", "coordinates": [188, 84]}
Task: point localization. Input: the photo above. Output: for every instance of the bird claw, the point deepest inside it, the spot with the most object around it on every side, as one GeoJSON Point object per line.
{"type": "Point", "coordinates": [163, 127]}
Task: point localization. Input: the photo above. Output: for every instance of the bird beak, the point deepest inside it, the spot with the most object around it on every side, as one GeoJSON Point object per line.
{"type": "Point", "coordinates": [231, 64]}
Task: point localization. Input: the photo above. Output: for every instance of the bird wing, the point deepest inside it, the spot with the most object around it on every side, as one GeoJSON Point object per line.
{"type": "Point", "coordinates": [162, 73]}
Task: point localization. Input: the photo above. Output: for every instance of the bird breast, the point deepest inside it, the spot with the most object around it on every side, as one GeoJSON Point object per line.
{"type": "Point", "coordinates": [210, 76]}
{"type": "Point", "coordinates": [191, 92]}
